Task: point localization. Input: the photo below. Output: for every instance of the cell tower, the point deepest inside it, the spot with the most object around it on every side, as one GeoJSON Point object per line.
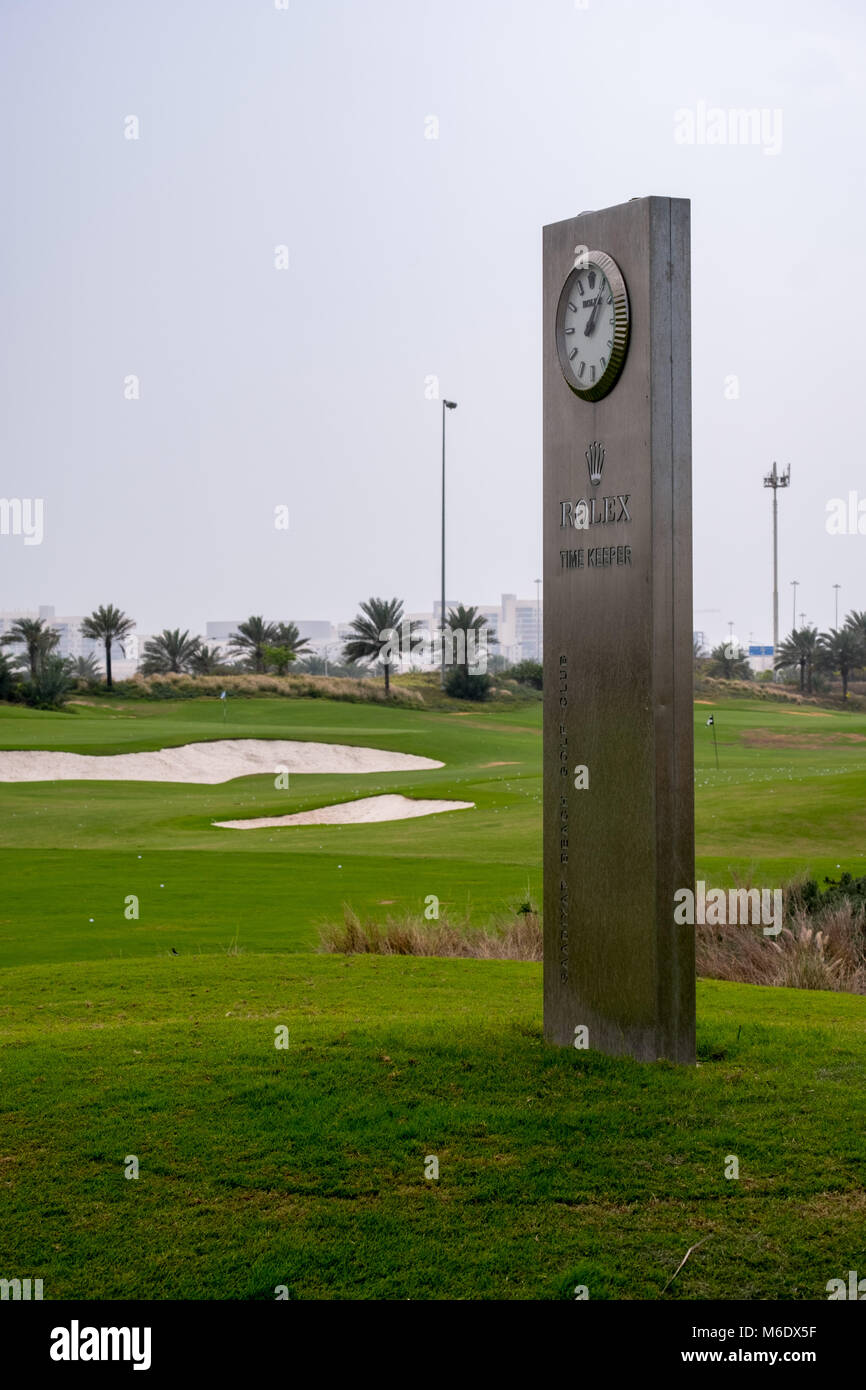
{"type": "Point", "coordinates": [775, 480]}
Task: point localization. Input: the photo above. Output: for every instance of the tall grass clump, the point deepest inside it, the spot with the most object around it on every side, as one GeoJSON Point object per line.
{"type": "Point", "coordinates": [516, 937]}
{"type": "Point", "coordinates": [178, 686]}
{"type": "Point", "coordinates": [824, 950]}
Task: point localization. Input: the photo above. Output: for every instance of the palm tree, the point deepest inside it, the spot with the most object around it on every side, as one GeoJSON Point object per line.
{"type": "Point", "coordinates": [7, 676]}
{"type": "Point", "coordinates": [857, 621]}
{"type": "Point", "coordinates": [250, 641]}
{"type": "Point", "coordinates": [799, 650]}
{"type": "Point", "coordinates": [468, 620]}
{"type": "Point", "coordinates": [83, 668]}
{"type": "Point", "coordinates": [843, 651]}
{"type": "Point", "coordinates": [373, 634]}
{"type": "Point", "coordinates": [38, 639]}
{"type": "Point", "coordinates": [107, 625]}
{"type": "Point", "coordinates": [288, 636]}
{"type": "Point", "coordinates": [206, 661]}
{"type": "Point", "coordinates": [323, 666]}
{"type": "Point", "coordinates": [170, 651]}
{"type": "Point", "coordinates": [729, 662]}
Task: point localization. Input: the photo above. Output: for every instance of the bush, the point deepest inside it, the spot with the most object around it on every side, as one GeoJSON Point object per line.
{"type": "Point", "coordinates": [526, 673]}
{"type": "Point", "coordinates": [52, 685]}
{"type": "Point", "coordinates": [8, 678]}
{"type": "Point", "coordinates": [809, 899]}
{"type": "Point", "coordinates": [461, 686]}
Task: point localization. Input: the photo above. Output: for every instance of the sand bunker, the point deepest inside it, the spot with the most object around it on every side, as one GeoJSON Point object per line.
{"type": "Point", "coordinates": [364, 812]}
{"type": "Point", "coordinates": [209, 763]}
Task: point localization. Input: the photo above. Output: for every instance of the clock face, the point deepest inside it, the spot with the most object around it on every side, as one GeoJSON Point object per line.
{"type": "Point", "coordinates": [592, 323]}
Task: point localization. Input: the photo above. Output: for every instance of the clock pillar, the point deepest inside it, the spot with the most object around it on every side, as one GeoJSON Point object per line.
{"type": "Point", "coordinates": [619, 973]}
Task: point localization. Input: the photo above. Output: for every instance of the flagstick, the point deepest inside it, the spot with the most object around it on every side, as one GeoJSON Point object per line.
{"type": "Point", "coordinates": [715, 745]}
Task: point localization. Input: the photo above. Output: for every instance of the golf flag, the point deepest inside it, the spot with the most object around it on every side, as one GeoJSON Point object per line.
{"type": "Point", "coordinates": [711, 724]}
{"type": "Point", "coordinates": [223, 695]}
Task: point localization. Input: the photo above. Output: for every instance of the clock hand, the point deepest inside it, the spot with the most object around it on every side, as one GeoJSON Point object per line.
{"type": "Point", "coordinates": [590, 325]}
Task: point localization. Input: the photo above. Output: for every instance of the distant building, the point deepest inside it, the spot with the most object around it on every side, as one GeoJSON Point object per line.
{"type": "Point", "coordinates": [220, 631]}
{"type": "Point", "coordinates": [316, 630]}
{"type": "Point", "coordinates": [124, 659]}
{"type": "Point", "coordinates": [517, 624]}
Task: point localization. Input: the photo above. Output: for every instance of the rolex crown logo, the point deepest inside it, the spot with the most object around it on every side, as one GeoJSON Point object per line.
{"type": "Point", "coordinates": [595, 461]}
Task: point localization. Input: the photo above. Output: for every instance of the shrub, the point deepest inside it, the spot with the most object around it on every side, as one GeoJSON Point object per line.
{"type": "Point", "coordinates": [807, 899]}
{"type": "Point", "coordinates": [526, 673]}
{"type": "Point", "coordinates": [8, 678]}
{"type": "Point", "coordinates": [460, 685]}
{"type": "Point", "coordinates": [51, 686]}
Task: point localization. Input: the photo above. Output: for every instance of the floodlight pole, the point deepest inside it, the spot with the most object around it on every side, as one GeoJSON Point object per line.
{"type": "Point", "coordinates": [446, 405]}
{"type": "Point", "coordinates": [775, 480]}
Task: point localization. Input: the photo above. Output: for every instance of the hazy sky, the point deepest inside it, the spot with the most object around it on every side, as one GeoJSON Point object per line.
{"type": "Point", "coordinates": [409, 257]}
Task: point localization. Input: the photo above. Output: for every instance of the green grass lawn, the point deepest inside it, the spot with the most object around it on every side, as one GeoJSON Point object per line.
{"type": "Point", "coordinates": [772, 810]}
{"type": "Point", "coordinates": [79, 849]}
{"type": "Point", "coordinates": [305, 1166]}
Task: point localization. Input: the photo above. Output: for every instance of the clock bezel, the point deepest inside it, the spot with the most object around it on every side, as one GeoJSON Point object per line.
{"type": "Point", "coordinates": [598, 260]}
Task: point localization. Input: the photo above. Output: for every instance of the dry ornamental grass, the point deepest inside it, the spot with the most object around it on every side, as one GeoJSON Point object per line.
{"type": "Point", "coordinates": [362, 690]}
{"type": "Point", "coordinates": [509, 938]}
{"type": "Point", "coordinates": [826, 951]}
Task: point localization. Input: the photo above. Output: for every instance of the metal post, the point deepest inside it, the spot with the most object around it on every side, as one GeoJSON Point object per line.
{"type": "Point", "coordinates": [442, 609]}
{"type": "Point", "coordinates": [450, 405]}
{"type": "Point", "coordinates": [775, 480]}
{"type": "Point", "coordinates": [774, 571]}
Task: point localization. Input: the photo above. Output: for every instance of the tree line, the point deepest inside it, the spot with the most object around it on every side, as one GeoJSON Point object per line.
{"type": "Point", "coordinates": [257, 645]}
{"type": "Point", "coordinates": [804, 653]}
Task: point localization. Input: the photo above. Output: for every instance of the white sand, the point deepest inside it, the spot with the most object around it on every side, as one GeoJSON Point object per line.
{"type": "Point", "coordinates": [364, 812]}
{"type": "Point", "coordinates": [210, 763]}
